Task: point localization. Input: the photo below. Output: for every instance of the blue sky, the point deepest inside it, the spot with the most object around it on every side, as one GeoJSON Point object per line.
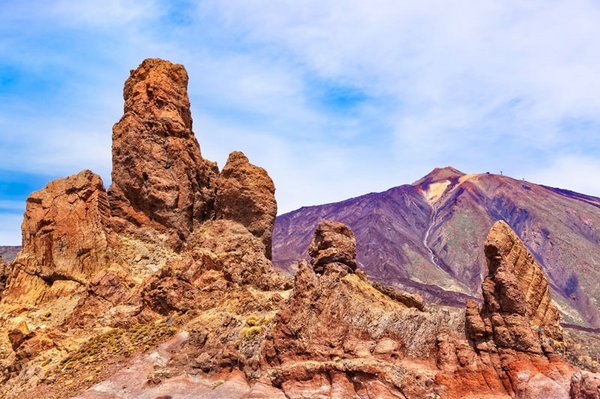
{"type": "Point", "coordinates": [334, 98]}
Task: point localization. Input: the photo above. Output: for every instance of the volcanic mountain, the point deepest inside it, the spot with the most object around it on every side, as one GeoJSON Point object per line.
{"type": "Point", "coordinates": [427, 236]}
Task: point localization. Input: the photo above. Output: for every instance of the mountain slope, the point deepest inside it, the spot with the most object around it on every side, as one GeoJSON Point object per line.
{"type": "Point", "coordinates": [8, 254]}
{"type": "Point", "coordinates": [427, 236]}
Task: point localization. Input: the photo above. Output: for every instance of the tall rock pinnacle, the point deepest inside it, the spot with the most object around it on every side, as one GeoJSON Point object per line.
{"type": "Point", "coordinates": [517, 308]}
{"type": "Point", "coordinates": [160, 182]}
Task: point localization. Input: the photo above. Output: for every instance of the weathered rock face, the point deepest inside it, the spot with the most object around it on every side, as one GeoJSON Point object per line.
{"type": "Point", "coordinates": [246, 194]}
{"type": "Point", "coordinates": [333, 243]}
{"type": "Point", "coordinates": [229, 248]}
{"type": "Point", "coordinates": [585, 385]}
{"type": "Point", "coordinates": [338, 333]}
{"type": "Point", "coordinates": [4, 275]}
{"type": "Point", "coordinates": [518, 309]}
{"type": "Point", "coordinates": [513, 331]}
{"type": "Point", "coordinates": [65, 230]}
{"type": "Point", "coordinates": [161, 183]}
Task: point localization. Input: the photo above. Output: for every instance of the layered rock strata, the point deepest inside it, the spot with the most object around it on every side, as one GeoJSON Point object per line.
{"type": "Point", "coordinates": [515, 331]}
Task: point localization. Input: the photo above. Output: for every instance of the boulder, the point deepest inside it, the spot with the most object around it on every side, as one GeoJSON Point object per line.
{"type": "Point", "coordinates": [246, 194]}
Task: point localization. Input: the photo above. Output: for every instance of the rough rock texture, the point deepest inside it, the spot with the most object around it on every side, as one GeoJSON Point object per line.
{"type": "Point", "coordinates": [161, 184]}
{"type": "Point", "coordinates": [246, 194]}
{"type": "Point", "coordinates": [517, 303]}
{"type": "Point", "coordinates": [65, 230]}
{"type": "Point", "coordinates": [338, 336]}
{"type": "Point", "coordinates": [585, 385]}
{"type": "Point", "coordinates": [5, 270]}
{"type": "Point", "coordinates": [515, 331]}
{"type": "Point", "coordinates": [333, 243]}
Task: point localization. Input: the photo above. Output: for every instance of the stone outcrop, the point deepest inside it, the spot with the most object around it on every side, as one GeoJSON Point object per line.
{"type": "Point", "coordinates": [161, 185]}
{"type": "Point", "coordinates": [4, 275]}
{"type": "Point", "coordinates": [338, 333]}
{"type": "Point", "coordinates": [515, 330]}
{"type": "Point", "coordinates": [333, 243]}
{"type": "Point", "coordinates": [65, 230]}
{"type": "Point", "coordinates": [246, 194]}
{"type": "Point", "coordinates": [518, 310]}
{"type": "Point", "coordinates": [585, 385]}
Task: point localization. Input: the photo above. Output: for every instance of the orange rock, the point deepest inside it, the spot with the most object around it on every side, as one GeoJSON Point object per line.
{"type": "Point", "coordinates": [161, 185]}
{"type": "Point", "coordinates": [246, 194]}
{"type": "Point", "coordinates": [333, 242]}
{"type": "Point", "coordinates": [65, 230]}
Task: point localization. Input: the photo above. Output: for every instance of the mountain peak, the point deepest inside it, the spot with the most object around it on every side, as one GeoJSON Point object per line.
{"type": "Point", "coordinates": [439, 174]}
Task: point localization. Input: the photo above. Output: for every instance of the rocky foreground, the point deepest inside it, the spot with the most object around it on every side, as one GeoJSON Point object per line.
{"type": "Point", "coordinates": [162, 287]}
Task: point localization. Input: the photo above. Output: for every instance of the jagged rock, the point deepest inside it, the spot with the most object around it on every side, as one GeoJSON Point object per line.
{"type": "Point", "coordinates": [333, 242]}
{"type": "Point", "coordinates": [510, 331]}
{"type": "Point", "coordinates": [585, 385]}
{"type": "Point", "coordinates": [161, 185]}
{"type": "Point", "coordinates": [65, 230]}
{"type": "Point", "coordinates": [337, 322]}
{"type": "Point", "coordinates": [5, 270]}
{"type": "Point", "coordinates": [229, 248]}
{"type": "Point", "coordinates": [246, 194]}
{"type": "Point", "coordinates": [18, 334]}
{"type": "Point", "coordinates": [517, 303]}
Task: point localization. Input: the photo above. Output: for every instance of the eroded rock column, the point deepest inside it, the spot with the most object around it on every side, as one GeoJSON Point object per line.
{"type": "Point", "coordinates": [161, 184]}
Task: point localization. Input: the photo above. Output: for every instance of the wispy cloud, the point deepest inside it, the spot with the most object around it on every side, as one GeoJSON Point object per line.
{"type": "Point", "coordinates": [334, 98]}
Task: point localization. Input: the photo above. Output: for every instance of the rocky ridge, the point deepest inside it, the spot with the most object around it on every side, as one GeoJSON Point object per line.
{"type": "Point", "coordinates": [162, 287]}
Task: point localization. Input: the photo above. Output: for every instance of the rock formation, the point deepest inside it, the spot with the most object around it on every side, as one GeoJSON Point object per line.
{"type": "Point", "coordinates": [161, 185]}
{"type": "Point", "coordinates": [515, 331]}
{"type": "Point", "coordinates": [338, 333]}
{"type": "Point", "coordinates": [585, 385]}
{"type": "Point", "coordinates": [65, 235]}
{"type": "Point", "coordinates": [333, 243]}
{"type": "Point", "coordinates": [163, 288]}
{"type": "Point", "coordinates": [246, 194]}
{"type": "Point", "coordinates": [518, 310]}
